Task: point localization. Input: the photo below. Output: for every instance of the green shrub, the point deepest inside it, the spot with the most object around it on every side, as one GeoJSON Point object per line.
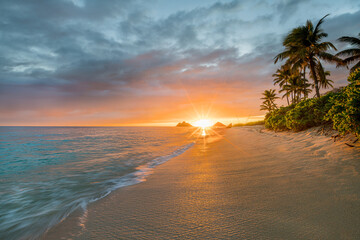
{"type": "Point", "coordinates": [354, 76]}
{"type": "Point", "coordinates": [345, 112]}
{"type": "Point", "coordinates": [260, 122]}
{"type": "Point", "coordinates": [275, 120]}
{"type": "Point", "coordinates": [309, 113]}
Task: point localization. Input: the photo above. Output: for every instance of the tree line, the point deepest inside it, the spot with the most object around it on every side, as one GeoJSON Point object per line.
{"type": "Point", "coordinates": [304, 55]}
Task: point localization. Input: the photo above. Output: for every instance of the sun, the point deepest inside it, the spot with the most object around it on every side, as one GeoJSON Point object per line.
{"type": "Point", "coordinates": [203, 123]}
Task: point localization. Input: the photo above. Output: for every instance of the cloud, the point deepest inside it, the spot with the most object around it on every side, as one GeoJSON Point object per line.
{"type": "Point", "coordinates": [81, 61]}
{"type": "Point", "coordinates": [288, 8]}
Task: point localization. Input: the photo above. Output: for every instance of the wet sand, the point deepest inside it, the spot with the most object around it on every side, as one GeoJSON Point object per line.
{"type": "Point", "coordinates": [250, 184]}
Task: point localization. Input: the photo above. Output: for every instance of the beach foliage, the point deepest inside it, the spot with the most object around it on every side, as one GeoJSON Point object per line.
{"type": "Point", "coordinates": [276, 119]}
{"type": "Point", "coordinates": [253, 123]}
{"type": "Point", "coordinates": [345, 111]}
{"type": "Point", "coordinates": [306, 50]}
{"type": "Point", "coordinates": [341, 109]}
{"type": "Point", "coordinates": [309, 113]}
{"type": "Point", "coordinates": [303, 115]}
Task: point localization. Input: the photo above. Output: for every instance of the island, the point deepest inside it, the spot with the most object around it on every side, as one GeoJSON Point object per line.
{"type": "Point", "coordinates": [184, 124]}
{"type": "Point", "coordinates": [219, 125]}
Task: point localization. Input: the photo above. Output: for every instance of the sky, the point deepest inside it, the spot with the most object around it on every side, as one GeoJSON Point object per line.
{"type": "Point", "coordinates": [151, 62]}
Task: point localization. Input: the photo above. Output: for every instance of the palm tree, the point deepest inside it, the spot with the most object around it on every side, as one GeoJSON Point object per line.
{"type": "Point", "coordinates": [352, 54]}
{"type": "Point", "coordinates": [292, 83]}
{"type": "Point", "coordinates": [269, 100]}
{"type": "Point", "coordinates": [325, 82]}
{"type": "Point", "coordinates": [281, 77]}
{"type": "Point", "coordinates": [296, 87]}
{"type": "Point", "coordinates": [289, 90]}
{"type": "Point", "coordinates": [305, 88]}
{"type": "Point", "coordinates": [303, 48]}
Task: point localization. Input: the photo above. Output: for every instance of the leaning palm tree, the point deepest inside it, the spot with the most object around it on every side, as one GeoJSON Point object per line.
{"type": "Point", "coordinates": [269, 100]}
{"type": "Point", "coordinates": [352, 54]}
{"type": "Point", "coordinates": [303, 48]}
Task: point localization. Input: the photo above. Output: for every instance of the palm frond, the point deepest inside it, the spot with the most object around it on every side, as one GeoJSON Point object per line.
{"type": "Point", "coordinates": [324, 46]}
{"type": "Point", "coordinates": [328, 57]}
{"type": "Point", "coordinates": [351, 59]}
{"type": "Point", "coordinates": [282, 56]}
{"type": "Point", "coordinates": [350, 40]}
{"type": "Point", "coordinates": [348, 52]}
{"type": "Point", "coordinates": [317, 28]}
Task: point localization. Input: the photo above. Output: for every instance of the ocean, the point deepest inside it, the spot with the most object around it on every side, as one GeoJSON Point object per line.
{"type": "Point", "coordinates": [46, 173]}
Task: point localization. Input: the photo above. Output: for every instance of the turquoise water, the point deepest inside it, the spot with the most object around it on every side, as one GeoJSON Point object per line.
{"type": "Point", "coordinates": [48, 172]}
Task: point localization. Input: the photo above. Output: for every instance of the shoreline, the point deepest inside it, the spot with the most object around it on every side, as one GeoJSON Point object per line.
{"type": "Point", "coordinates": [229, 187]}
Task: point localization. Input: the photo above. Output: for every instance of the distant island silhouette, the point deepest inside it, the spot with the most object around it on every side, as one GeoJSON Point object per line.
{"type": "Point", "coordinates": [219, 125]}
{"type": "Point", "coordinates": [184, 124]}
{"type": "Point", "coordinates": [216, 125]}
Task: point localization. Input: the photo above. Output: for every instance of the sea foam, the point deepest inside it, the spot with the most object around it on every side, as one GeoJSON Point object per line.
{"type": "Point", "coordinates": [48, 173]}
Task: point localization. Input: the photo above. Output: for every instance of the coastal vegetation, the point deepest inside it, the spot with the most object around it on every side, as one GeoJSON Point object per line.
{"type": "Point", "coordinates": [254, 123]}
{"type": "Point", "coordinates": [304, 55]}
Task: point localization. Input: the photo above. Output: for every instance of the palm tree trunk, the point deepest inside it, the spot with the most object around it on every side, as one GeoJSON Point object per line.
{"type": "Point", "coordinates": [304, 76]}
{"type": "Point", "coordinates": [296, 96]}
{"type": "Point", "coordinates": [287, 99]}
{"type": "Point", "coordinates": [317, 88]}
{"type": "Point", "coordinates": [316, 82]}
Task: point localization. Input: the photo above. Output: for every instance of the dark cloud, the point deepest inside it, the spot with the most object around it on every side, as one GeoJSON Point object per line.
{"type": "Point", "coordinates": [288, 8]}
{"type": "Point", "coordinates": [79, 56]}
{"type": "Point", "coordinates": [347, 24]}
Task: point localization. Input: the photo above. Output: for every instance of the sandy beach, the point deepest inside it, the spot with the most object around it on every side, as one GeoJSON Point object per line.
{"type": "Point", "coordinates": [165, 119]}
{"type": "Point", "coordinates": [247, 184]}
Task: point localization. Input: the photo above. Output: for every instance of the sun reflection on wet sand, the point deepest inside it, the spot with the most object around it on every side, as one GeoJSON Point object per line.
{"type": "Point", "coordinates": [203, 132]}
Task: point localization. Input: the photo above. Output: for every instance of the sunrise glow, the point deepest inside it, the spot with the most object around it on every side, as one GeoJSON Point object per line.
{"type": "Point", "coordinates": [203, 123]}
{"type": "Point", "coordinates": [191, 115]}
